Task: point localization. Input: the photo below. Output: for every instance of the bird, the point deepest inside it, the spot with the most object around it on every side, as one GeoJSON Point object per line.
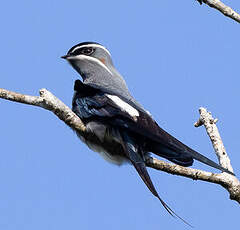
{"type": "Point", "coordinates": [125, 131]}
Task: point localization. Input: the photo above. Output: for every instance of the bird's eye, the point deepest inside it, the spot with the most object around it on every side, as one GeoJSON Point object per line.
{"type": "Point", "coordinates": [87, 50]}
{"type": "Point", "coordinates": [83, 50]}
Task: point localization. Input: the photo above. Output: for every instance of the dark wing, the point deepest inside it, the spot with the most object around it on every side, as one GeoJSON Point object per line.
{"type": "Point", "coordinates": [118, 112]}
{"type": "Point", "coordinates": [165, 145]}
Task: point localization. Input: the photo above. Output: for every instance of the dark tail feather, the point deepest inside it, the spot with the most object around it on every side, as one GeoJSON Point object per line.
{"type": "Point", "coordinates": [138, 162]}
{"type": "Point", "coordinates": [142, 171]}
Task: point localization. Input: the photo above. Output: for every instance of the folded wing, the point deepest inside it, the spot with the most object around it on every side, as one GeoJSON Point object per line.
{"type": "Point", "coordinates": [118, 112]}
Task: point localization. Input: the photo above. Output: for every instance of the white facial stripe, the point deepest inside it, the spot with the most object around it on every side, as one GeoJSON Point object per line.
{"type": "Point", "coordinates": [123, 105]}
{"type": "Point", "coordinates": [84, 57]}
{"type": "Point", "coordinates": [92, 45]}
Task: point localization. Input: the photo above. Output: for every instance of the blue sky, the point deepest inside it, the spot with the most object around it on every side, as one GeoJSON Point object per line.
{"type": "Point", "coordinates": [175, 57]}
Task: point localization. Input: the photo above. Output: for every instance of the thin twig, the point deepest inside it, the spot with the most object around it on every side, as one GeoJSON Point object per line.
{"type": "Point", "coordinates": [226, 10]}
{"type": "Point", "coordinates": [48, 101]}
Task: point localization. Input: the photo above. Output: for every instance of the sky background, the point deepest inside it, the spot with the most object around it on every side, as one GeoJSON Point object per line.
{"type": "Point", "coordinates": [175, 56]}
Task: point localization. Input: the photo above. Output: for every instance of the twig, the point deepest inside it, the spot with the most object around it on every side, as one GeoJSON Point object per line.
{"type": "Point", "coordinates": [226, 10]}
{"type": "Point", "coordinates": [48, 101]}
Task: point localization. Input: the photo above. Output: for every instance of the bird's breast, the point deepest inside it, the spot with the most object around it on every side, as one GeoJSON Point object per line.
{"type": "Point", "coordinates": [108, 143]}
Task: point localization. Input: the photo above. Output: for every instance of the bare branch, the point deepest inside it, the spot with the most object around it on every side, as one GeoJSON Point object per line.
{"type": "Point", "coordinates": [226, 10]}
{"type": "Point", "coordinates": [48, 101]}
{"type": "Point", "coordinates": [229, 182]}
{"type": "Point", "coordinates": [210, 124]}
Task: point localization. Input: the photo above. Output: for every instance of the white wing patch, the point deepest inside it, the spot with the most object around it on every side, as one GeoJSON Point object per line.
{"type": "Point", "coordinates": [123, 105]}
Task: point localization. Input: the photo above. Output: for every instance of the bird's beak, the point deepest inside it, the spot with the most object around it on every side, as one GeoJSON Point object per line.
{"type": "Point", "coordinates": [66, 56]}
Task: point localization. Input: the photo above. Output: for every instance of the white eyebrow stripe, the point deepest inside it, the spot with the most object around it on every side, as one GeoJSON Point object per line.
{"type": "Point", "coordinates": [92, 45]}
{"type": "Point", "coordinates": [82, 57]}
{"type": "Point", "coordinates": [123, 105]}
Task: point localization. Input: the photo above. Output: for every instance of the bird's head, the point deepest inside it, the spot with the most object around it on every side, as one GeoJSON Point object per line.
{"type": "Point", "coordinates": [89, 58]}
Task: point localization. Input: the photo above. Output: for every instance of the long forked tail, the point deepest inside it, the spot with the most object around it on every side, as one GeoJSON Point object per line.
{"type": "Point", "coordinates": [142, 171]}
{"type": "Point", "coordinates": [139, 164]}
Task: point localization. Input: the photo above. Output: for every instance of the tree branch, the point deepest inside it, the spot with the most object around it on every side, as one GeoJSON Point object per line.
{"type": "Point", "coordinates": [209, 122]}
{"type": "Point", "coordinates": [226, 10]}
{"type": "Point", "coordinates": [48, 101]}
